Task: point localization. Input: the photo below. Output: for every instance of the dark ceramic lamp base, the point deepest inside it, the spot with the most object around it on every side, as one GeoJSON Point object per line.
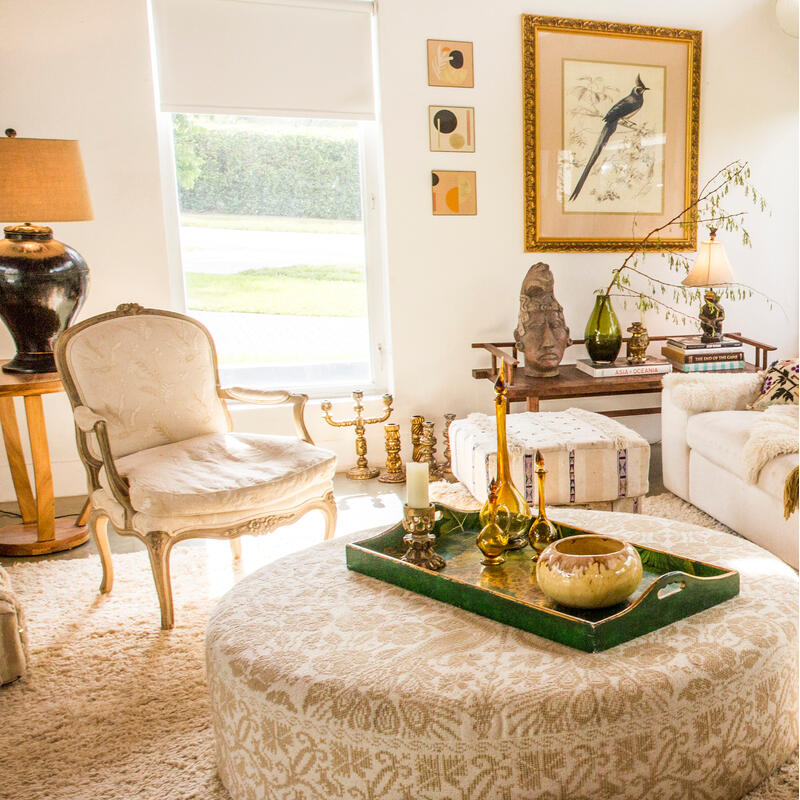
{"type": "Point", "coordinates": [42, 286]}
{"type": "Point", "coordinates": [31, 363]}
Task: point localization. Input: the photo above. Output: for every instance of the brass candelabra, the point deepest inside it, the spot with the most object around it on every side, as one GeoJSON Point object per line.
{"type": "Point", "coordinates": [361, 471]}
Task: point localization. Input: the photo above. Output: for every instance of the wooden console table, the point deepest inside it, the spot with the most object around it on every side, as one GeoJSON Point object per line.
{"type": "Point", "coordinates": [572, 382]}
{"type": "Point", "coordinates": [40, 531]}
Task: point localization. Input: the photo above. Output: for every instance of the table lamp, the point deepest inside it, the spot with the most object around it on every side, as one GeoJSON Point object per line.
{"type": "Point", "coordinates": [42, 281]}
{"type": "Point", "coordinates": [711, 268]}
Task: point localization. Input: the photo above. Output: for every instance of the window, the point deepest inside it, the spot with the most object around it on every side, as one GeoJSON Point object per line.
{"type": "Point", "coordinates": [273, 247]}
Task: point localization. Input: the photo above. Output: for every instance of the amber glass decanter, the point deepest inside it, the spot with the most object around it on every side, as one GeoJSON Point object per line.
{"type": "Point", "coordinates": [542, 532]}
{"type": "Point", "coordinates": [492, 541]}
{"type": "Point", "coordinates": [507, 494]}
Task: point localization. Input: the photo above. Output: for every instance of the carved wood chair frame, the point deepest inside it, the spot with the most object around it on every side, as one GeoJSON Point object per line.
{"type": "Point", "coordinates": [160, 543]}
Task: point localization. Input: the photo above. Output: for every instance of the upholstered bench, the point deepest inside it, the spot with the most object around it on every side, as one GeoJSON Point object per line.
{"type": "Point", "coordinates": [13, 636]}
{"type": "Point", "coordinates": [590, 459]}
{"type": "Point", "coordinates": [329, 684]}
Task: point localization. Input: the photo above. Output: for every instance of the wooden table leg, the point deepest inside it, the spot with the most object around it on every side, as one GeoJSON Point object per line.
{"type": "Point", "coordinates": [47, 534]}
{"type": "Point", "coordinates": [83, 517]}
{"type": "Point", "coordinates": [43, 475]}
{"type": "Point", "coordinates": [16, 461]}
{"type": "Point", "coordinates": [533, 403]}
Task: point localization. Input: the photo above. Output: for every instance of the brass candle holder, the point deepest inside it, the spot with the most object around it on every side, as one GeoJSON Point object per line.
{"type": "Point", "coordinates": [361, 471]}
{"type": "Point", "coordinates": [445, 468]}
{"type": "Point", "coordinates": [420, 539]}
{"type": "Point", "coordinates": [428, 450]}
{"type": "Point", "coordinates": [416, 436]}
{"type": "Point", "coordinates": [394, 472]}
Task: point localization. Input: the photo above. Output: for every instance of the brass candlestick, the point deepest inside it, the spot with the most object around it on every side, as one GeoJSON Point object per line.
{"type": "Point", "coordinates": [445, 468]}
{"type": "Point", "coordinates": [416, 436]}
{"type": "Point", "coordinates": [428, 450]}
{"type": "Point", "coordinates": [362, 471]}
{"type": "Point", "coordinates": [394, 472]}
{"type": "Point", "coordinates": [419, 523]}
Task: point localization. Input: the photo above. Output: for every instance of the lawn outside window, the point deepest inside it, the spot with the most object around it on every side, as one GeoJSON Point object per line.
{"type": "Point", "coordinates": [276, 218]}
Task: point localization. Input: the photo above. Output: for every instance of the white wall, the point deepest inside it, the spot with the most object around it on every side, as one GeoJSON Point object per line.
{"type": "Point", "coordinates": [86, 74]}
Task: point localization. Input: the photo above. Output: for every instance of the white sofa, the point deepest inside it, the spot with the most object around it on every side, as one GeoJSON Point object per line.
{"type": "Point", "coordinates": [703, 436]}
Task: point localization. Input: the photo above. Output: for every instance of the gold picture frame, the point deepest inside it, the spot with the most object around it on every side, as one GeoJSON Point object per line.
{"type": "Point", "coordinates": [607, 156]}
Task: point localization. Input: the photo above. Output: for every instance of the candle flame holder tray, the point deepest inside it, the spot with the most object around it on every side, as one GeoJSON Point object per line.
{"type": "Point", "coordinates": [672, 587]}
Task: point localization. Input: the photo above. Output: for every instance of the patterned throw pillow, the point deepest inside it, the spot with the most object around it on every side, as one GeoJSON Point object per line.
{"type": "Point", "coordinates": [780, 385]}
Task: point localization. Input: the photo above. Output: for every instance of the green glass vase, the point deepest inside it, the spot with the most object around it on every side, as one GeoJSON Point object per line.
{"type": "Point", "coordinates": [603, 334]}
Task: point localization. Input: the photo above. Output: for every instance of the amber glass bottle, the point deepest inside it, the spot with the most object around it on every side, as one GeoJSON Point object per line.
{"type": "Point", "coordinates": [507, 494]}
{"type": "Point", "coordinates": [542, 532]}
{"type": "Point", "coordinates": [492, 541]}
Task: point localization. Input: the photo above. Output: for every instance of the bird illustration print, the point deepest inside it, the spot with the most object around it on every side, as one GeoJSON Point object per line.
{"type": "Point", "coordinates": [623, 109]}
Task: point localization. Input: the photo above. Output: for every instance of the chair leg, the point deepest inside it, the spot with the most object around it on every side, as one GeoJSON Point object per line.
{"type": "Point", "coordinates": [98, 525]}
{"type": "Point", "coordinates": [236, 548]}
{"type": "Point", "coordinates": [159, 545]}
{"type": "Point", "coordinates": [331, 514]}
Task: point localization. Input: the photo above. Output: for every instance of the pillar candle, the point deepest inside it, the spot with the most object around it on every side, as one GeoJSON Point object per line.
{"type": "Point", "coordinates": [417, 483]}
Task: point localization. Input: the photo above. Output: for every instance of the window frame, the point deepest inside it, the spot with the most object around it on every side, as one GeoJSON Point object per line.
{"type": "Point", "coordinates": [373, 225]}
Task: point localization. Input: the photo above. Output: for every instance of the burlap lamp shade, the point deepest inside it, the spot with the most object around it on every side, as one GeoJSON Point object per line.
{"type": "Point", "coordinates": [42, 281]}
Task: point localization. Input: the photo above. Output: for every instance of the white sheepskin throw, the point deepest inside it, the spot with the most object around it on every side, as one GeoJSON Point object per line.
{"type": "Point", "coordinates": [703, 391]}
{"type": "Point", "coordinates": [774, 434]}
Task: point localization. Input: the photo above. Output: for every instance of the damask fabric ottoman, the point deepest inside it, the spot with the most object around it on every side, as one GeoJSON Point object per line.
{"type": "Point", "coordinates": [590, 459]}
{"type": "Point", "coordinates": [329, 684]}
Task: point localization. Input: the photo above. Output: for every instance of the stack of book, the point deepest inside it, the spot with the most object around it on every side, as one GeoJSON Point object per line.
{"type": "Point", "coordinates": [689, 354]}
{"type": "Point", "coordinates": [621, 368]}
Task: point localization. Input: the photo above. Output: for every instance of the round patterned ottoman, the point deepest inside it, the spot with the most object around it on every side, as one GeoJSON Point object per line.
{"type": "Point", "coordinates": [325, 684]}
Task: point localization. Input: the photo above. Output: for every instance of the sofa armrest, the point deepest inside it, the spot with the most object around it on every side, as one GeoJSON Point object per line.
{"type": "Point", "coordinates": [674, 449]}
{"type": "Point", "coordinates": [713, 391]}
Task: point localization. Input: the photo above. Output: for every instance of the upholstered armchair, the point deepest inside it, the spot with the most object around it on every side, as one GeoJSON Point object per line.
{"type": "Point", "coordinates": [155, 437]}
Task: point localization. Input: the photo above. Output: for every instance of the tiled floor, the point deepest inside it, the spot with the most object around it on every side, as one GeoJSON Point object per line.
{"type": "Point", "coordinates": [362, 505]}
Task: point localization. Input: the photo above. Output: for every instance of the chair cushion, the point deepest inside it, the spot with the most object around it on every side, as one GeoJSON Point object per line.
{"type": "Point", "coordinates": [221, 472]}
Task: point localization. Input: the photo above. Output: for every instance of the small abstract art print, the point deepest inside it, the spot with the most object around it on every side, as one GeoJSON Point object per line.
{"type": "Point", "coordinates": [450, 64]}
{"type": "Point", "coordinates": [452, 129]}
{"type": "Point", "coordinates": [454, 193]}
{"type": "Point", "coordinates": [612, 120]}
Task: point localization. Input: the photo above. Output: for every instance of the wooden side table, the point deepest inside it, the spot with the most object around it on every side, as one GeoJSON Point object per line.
{"type": "Point", "coordinates": [572, 382]}
{"type": "Point", "coordinates": [40, 531]}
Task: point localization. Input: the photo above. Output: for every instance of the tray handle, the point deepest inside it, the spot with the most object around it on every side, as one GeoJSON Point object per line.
{"type": "Point", "coordinates": [668, 588]}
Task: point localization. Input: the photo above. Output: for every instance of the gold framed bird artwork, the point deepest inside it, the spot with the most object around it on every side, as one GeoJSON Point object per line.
{"type": "Point", "coordinates": [611, 115]}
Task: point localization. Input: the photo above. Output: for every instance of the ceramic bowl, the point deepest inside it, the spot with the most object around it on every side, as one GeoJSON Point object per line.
{"type": "Point", "coordinates": [589, 571]}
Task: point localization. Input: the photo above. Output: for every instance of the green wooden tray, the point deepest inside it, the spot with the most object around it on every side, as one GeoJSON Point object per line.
{"type": "Point", "coordinates": [672, 587]}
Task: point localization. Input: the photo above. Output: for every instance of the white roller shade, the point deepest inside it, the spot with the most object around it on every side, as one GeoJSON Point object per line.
{"type": "Point", "coordinates": [276, 58]}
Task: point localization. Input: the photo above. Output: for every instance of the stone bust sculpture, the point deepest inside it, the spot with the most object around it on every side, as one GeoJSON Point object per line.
{"type": "Point", "coordinates": [541, 334]}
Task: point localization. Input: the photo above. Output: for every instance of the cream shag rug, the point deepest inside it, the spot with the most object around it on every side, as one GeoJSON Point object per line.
{"type": "Point", "coordinates": [113, 708]}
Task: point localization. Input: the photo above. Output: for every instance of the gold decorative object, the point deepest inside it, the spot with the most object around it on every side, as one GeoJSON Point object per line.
{"type": "Point", "coordinates": [445, 468]}
{"type": "Point", "coordinates": [589, 571]}
{"type": "Point", "coordinates": [507, 494]}
{"type": "Point", "coordinates": [416, 436]}
{"type": "Point", "coordinates": [542, 532]}
{"type": "Point", "coordinates": [362, 471]}
{"type": "Point", "coordinates": [419, 523]}
{"type": "Point", "coordinates": [394, 472]}
{"type": "Point", "coordinates": [428, 449]}
{"type": "Point", "coordinates": [492, 541]}
{"type": "Point", "coordinates": [636, 346]}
